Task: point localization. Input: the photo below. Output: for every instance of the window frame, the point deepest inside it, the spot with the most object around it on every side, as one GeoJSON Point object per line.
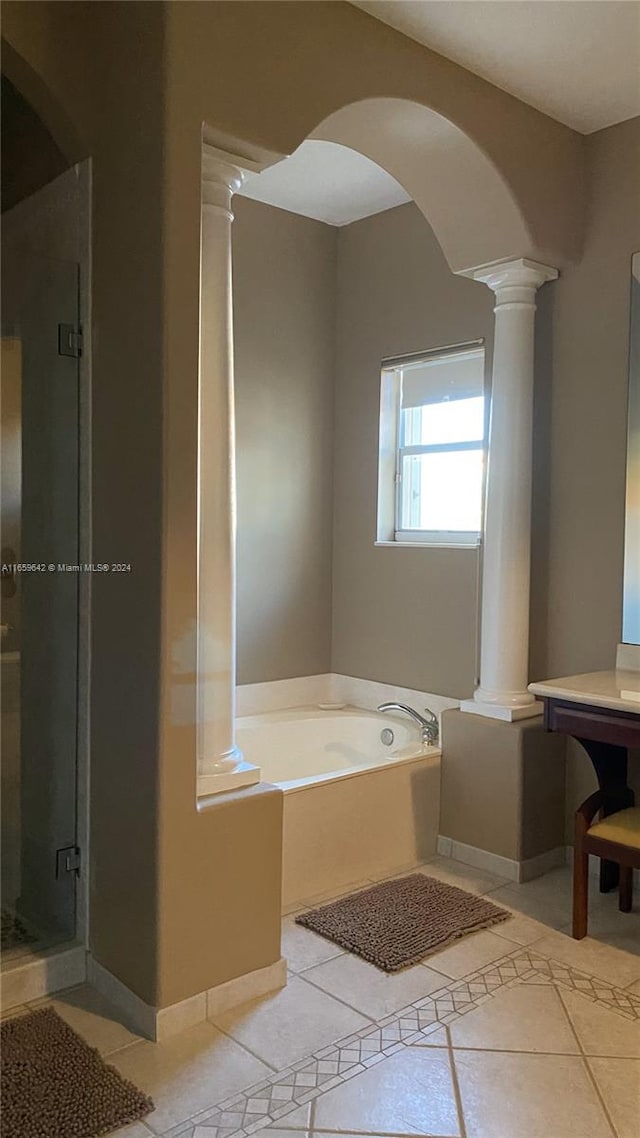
{"type": "Point", "coordinates": [388, 533]}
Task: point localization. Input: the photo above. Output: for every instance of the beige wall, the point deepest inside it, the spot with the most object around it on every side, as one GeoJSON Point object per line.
{"type": "Point", "coordinates": [284, 307]}
{"type": "Point", "coordinates": [402, 616]}
{"type": "Point", "coordinates": [584, 345]}
{"type": "Point", "coordinates": [582, 378]}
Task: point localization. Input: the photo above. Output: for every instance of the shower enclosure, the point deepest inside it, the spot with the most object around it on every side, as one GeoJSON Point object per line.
{"type": "Point", "coordinates": [39, 596]}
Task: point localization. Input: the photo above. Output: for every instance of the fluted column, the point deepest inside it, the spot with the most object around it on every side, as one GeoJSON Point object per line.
{"type": "Point", "coordinates": [504, 655]}
{"type": "Point", "coordinates": [220, 763]}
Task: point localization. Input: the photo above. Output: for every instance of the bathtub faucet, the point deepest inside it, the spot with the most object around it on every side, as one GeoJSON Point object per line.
{"type": "Point", "coordinates": [428, 727]}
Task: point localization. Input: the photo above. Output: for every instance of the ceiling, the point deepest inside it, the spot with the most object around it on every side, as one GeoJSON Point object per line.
{"type": "Point", "coordinates": [576, 60]}
{"type": "Point", "coordinates": [326, 182]}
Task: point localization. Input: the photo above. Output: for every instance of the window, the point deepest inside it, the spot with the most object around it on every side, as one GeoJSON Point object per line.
{"type": "Point", "coordinates": [432, 447]}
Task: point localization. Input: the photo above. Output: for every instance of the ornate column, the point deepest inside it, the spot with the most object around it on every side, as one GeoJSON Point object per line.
{"type": "Point", "coordinates": [504, 655]}
{"type": "Point", "coordinates": [220, 763]}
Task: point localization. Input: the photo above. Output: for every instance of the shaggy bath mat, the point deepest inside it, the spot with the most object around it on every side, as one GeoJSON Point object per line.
{"type": "Point", "coordinates": [399, 922]}
{"type": "Point", "coordinates": [54, 1085]}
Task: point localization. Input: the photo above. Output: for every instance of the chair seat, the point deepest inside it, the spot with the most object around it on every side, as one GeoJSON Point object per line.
{"type": "Point", "coordinates": [622, 827]}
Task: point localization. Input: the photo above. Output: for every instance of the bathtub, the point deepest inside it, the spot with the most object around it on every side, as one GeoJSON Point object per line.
{"type": "Point", "coordinates": [356, 809]}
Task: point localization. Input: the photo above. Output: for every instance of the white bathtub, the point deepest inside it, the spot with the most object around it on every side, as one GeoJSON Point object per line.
{"type": "Point", "coordinates": [302, 746]}
{"type": "Point", "coordinates": [355, 809]}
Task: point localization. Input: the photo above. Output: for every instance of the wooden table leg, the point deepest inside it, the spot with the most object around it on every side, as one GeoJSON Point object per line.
{"type": "Point", "coordinates": [610, 764]}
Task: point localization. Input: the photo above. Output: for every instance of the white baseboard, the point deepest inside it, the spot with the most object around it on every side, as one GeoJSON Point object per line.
{"type": "Point", "coordinates": [510, 869]}
{"type": "Point", "coordinates": [479, 859]}
{"type": "Point", "coordinates": [161, 1023]}
{"type": "Point", "coordinates": [32, 976]}
{"type": "Point", "coordinates": [245, 988]}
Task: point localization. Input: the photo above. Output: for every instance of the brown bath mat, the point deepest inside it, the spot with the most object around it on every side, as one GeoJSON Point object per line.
{"type": "Point", "coordinates": [399, 922]}
{"type": "Point", "coordinates": [55, 1086]}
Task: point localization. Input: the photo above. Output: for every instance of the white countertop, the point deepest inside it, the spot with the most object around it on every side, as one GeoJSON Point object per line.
{"type": "Point", "coordinates": [618, 690]}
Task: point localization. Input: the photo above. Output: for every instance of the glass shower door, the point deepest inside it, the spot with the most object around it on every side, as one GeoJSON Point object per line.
{"type": "Point", "coordinates": [40, 577]}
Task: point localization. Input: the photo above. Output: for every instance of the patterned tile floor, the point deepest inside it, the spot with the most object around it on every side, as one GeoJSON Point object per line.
{"type": "Point", "coordinates": [517, 1032]}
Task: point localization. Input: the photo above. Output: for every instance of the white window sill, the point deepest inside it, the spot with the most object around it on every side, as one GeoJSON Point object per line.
{"type": "Point", "coordinates": [427, 544]}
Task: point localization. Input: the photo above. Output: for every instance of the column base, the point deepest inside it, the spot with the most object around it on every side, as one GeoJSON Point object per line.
{"type": "Point", "coordinates": [499, 711]}
{"type": "Point", "coordinates": [243, 774]}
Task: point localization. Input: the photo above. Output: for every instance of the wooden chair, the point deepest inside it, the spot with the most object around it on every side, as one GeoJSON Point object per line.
{"type": "Point", "coordinates": [616, 838]}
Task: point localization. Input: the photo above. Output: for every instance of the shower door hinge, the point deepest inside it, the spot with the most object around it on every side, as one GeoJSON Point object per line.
{"type": "Point", "coordinates": [69, 340]}
{"type": "Point", "coordinates": [68, 860]}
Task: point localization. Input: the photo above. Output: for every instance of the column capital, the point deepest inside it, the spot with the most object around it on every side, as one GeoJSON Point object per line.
{"type": "Point", "coordinates": [521, 274]}
{"type": "Point", "coordinates": [217, 166]}
{"type": "Point", "coordinates": [221, 178]}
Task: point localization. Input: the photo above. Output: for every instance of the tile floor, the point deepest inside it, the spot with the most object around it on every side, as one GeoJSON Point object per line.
{"type": "Point", "coordinates": [519, 1032]}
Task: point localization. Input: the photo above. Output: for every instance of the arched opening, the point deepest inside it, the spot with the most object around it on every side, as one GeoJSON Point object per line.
{"type": "Point", "coordinates": [467, 202]}
{"type": "Point", "coordinates": [483, 233]}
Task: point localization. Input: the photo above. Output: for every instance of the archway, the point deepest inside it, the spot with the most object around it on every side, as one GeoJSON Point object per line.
{"type": "Point", "coordinates": [465, 199]}
{"type": "Point", "coordinates": [484, 234]}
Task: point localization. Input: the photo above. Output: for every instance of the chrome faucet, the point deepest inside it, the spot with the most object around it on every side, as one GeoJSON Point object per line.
{"type": "Point", "coordinates": [429, 730]}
